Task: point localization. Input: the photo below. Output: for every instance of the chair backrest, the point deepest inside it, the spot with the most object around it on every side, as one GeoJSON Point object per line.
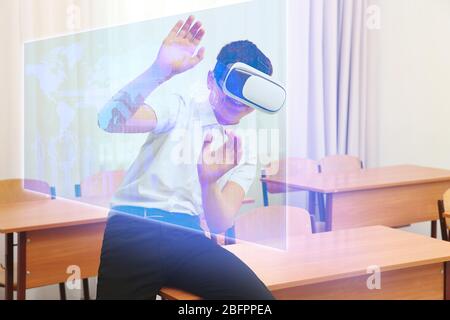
{"type": "Point", "coordinates": [20, 190]}
{"type": "Point", "coordinates": [340, 164]}
{"type": "Point", "coordinates": [101, 184]}
{"type": "Point", "coordinates": [273, 225]}
{"type": "Point", "coordinates": [290, 165]}
{"type": "Point", "coordinates": [447, 200]}
{"type": "Point", "coordinates": [447, 205]}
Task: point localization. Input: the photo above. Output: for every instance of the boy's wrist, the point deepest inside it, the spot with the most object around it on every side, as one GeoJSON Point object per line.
{"type": "Point", "coordinates": [159, 73]}
{"type": "Point", "coordinates": [209, 187]}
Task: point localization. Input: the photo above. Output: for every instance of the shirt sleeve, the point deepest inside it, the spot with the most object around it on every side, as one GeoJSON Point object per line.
{"type": "Point", "coordinates": [244, 176]}
{"type": "Point", "coordinates": [167, 110]}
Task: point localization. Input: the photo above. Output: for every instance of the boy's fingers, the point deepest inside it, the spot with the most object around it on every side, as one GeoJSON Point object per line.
{"type": "Point", "coordinates": [208, 139]}
{"type": "Point", "coordinates": [237, 150]}
{"type": "Point", "coordinates": [176, 29]}
{"type": "Point", "coordinates": [198, 37]}
{"type": "Point", "coordinates": [232, 138]}
{"type": "Point", "coordinates": [239, 153]}
{"type": "Point", "coordinates": [233, 148]}
{"type": "Point", "coordinates": [201, 53]}
{"type": "Point", "coordinates": [197, 58]}
{"type": "Point", "coordinates": [194, 30]}
{"type": "Point", "coordinates": [184, 31]}
{"type": "Point", "coordinates": [206, 154]}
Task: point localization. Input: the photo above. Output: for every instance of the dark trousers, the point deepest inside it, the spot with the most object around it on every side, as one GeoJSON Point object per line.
{"type": "Point", "coordinates": [142, 255]}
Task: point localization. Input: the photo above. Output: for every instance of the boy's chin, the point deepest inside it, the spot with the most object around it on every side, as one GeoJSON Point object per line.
{"type": "Point", "coordinates": [228, 123]}
{"type": "Point", "coordinates": [224, 121]}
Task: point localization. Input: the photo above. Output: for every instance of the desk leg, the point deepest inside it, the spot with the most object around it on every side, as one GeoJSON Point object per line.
{"type": "Point", "coordinates": [322, 206]}
{"type": "Point", "coordinates": [21, 266]}
{"type": "Point", "coordinates": [9, 265]}
{"type": "Point", "coordinates": [230, 236]}
{"type": "Point", "coordinates": [447, 281]}
{"type": "Point", "coordinates": [329, 212]}
{"type": "Point", "coordinates": [312, 203]}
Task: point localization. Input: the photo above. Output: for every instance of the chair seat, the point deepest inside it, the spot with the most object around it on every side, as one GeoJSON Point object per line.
{"type": "Point", "coordinates": [175, 294]}
{"type": "Point", "coordinates": [3, 278]}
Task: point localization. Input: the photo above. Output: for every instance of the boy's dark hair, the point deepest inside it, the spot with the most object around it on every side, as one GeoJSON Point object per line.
{"type": "Point", "coordinates": [242, 51]}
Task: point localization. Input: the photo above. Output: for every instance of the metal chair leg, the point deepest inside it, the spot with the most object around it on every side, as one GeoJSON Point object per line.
{"type": "Point", "coordinates": [86, 294]}
{"type": "Point", "coordinates": [321, 199]}
{"type": "Point", "coordinates": [62, 291]}
{"type": "Point", "coordinates": [312, 204]}
{"type": "Point", "coordinates": [265, 194]}
{"type": "Point", "coordinates": [313, 224]}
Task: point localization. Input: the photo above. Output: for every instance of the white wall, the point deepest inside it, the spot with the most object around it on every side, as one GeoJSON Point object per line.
{"type": "Point", "coordinates": [414, 97]}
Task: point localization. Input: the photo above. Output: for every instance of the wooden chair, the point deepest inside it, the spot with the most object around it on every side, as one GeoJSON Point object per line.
{"type": "Point", "coordinates": [274, 227]}
{"type": "Point", "coordinates": [280, 169]}
{"type": "Point", "coordinates": [335, 165]}
{"type": "Point", "coordinates": [444, 216]}
{"type": "Point", "coordinates": [19, 190]}
{"type": "Point", "coordinates": [103, 184]}
{"type": "Point", "coordinates": [340, 164]}
{"type": "Point", "coordinates": [228, 237]}
{"type": "Point", "coordinates": [98, 189]}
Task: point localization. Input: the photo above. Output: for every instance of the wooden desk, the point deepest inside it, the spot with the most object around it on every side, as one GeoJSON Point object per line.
{"type": "Point", "coordinates": [391, 196]}
{"type": "Point", "coordinates": [334, 265]}
{"type": "Point", "coordinates": [52, 235]}
{"type": "Point", "coordinates": [55, 234]}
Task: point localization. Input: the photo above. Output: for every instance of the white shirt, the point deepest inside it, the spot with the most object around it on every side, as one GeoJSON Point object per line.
{"type": "Point", "coordinates": [164, 176]}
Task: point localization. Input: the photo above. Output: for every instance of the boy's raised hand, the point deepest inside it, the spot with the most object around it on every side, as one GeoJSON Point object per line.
{"type": "Point", "coordinates": [179, 51]}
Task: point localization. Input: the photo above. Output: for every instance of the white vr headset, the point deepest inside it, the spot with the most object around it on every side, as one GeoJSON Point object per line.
{"type": "Point", "coordinates": [253, 88]}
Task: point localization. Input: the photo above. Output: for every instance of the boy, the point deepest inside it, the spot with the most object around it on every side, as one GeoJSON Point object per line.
{"type": "Point", "coordinates": [154, 238]}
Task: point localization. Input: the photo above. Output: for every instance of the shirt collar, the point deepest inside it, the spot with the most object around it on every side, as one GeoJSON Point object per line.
{"type": "Point", "coordinates": [206, 114]}
{"type": "Point", "coordinates": [208, 118]}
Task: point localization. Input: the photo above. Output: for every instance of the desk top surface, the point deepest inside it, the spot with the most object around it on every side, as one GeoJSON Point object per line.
{"type": "Point", "coordinates": [365, 179]}
{"type": "Point", "coordinates": [340, 254]}
{"type": "Point", "coordinates": [47, 214]}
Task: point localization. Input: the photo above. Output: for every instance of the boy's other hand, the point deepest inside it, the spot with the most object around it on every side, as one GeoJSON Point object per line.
{"type": "Point", "coordinates": [215, 164]}
{"type": "Point", "coordinates": [179, 51]}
